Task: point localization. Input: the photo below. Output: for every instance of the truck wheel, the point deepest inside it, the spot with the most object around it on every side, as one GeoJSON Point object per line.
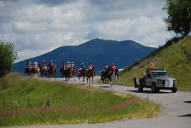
{"type": "Point", "coordinates": [158, 90]}
{"type": "Point", "coordinates": [154, 88]}
{"type": "Point", "coordinates": [140, 88]}
{"type": "Point", "coordinates": [174, 90]}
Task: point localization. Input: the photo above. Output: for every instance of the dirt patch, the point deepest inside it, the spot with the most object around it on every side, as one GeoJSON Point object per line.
{"type": "Point", "coordinates": [43, 109]}
{"type": "Point", "coordinates": [131, 101]}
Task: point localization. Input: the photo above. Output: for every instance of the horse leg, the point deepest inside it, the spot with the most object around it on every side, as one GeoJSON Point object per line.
{"type": "Point", "coordinates": [92, 80]}
{"type": "Point", "coordinates": [88, 80]}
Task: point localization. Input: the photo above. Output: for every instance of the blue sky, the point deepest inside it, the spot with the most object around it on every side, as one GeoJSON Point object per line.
{"type": "Point", "coordinates": [38, 26]}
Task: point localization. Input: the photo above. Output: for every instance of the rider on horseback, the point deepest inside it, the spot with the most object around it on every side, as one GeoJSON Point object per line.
{"type": "Point", "coordinates": [29, 64]}
{"type": "Point", "coordinates": [68, 65]}
{"type": "Point", "coordinates": [29, 68]}
{"type": "Point", "coordinates": [52, 69]}
{"type": "Point", "coordinates": [36, 67]}
{"type": "Point", "coordinates": [73, 68]}
{"type": "Point", "coordinates": [82, 65]}
{"type": "Point", "coordinates": [91, 66]}
{"type": "Point", "coordinates": [52, 64]}
{"type": "Point", "coordinates": [106, 67]}
{"type": "Point", "coordinates": [44, 65]}
{"type": "Point", "coordinates": [113, 67]}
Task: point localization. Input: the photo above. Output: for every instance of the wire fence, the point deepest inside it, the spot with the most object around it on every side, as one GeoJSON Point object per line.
{"type": "Point", "coordinates": [15, 106]}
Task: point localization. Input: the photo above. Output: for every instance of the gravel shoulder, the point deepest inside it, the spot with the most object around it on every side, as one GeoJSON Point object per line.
{"type": "Point", "coordinates": [176, 110]}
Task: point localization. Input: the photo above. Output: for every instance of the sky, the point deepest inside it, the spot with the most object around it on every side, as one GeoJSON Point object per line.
{"type": "Point", "coordinates": [39, 26]}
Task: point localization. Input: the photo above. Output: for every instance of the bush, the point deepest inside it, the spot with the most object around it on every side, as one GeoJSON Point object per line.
{"type": "Point", "coordinates": [7, 57]}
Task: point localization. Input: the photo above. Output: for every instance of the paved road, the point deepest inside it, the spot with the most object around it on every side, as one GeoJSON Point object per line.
{"type": "Point", "coordinates": [176, 111]}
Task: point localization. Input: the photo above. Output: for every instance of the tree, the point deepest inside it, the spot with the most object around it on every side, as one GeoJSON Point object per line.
{"type": "Point", "coordinates": [179, 16]}
{"type": "Point", "coordinates": [7, 57]}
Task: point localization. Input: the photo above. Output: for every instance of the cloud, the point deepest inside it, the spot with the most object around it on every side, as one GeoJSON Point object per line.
{"type": "Point", "coordinates": [38, 26]}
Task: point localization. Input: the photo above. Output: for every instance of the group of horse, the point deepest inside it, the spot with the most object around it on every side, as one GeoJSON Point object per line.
{"type": "Point", "coordinates": [109, 75]}
{"type": "Point", "coordinates": [67, 70]}
{"type": "Point", "coordinates": [40, 69]}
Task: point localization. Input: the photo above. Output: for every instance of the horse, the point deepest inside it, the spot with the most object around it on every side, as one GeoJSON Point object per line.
{"type": "Point", "coordinates": [65, 71]}
{"type": "Point", "coordinates": [105, 76]}
{"type": "Point", "coordinates": [29, 69]}
{"type": "Point", "coordinates": [90, 75]}
{"type": "Point", "coordinates": [52, 70]}
{"type": "Point", "coordinates": [43, 70]}
{"type": "Point", "coordinates": [36, 71]}
{"type": "Point", "coordinates": [109, 75]}
{"type": "Point", "coordinates": [73, 71]}
{"type": "Point", "coordinates": [82, 73]}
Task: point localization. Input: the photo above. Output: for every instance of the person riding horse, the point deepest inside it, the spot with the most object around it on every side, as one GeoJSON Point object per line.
{"type": "Point", "coordinates": [113, 74]}
{"type": "Point", "coordinates": [64, 70]}
{"type": "Point", "coordinates": [73, 68]}
{"type": "Point", "coordinates": [36, 68]}
{"type": "Point", "coordinates": [52, 69]}
{"type": "Point", "coordinates": [105, 74]}
{"type": "Point", "coordinates": [90, 73]}
{"type": "Point", "coordinates": [43, 69]}
{"type": "Point", "coordinates": [109, 73]}
{"type": "Point", "coordinates": [82, 72]}
{"type": "Point", "coordinates": [29, 68]}
{"type": "Point", "coordinates": [67, 70]}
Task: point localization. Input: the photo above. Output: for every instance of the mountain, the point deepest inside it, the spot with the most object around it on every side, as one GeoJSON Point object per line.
{"type": "Point", "coordinates": [96, 51]}
{"type": "Point", "coordinates": [175, 57]}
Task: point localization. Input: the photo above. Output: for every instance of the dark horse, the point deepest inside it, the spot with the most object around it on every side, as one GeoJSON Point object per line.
{"type": "Point", "coordinates": [82, 73]}
{"type": "Point", "coordinates": [29, 69]}
{"type": "Point", "coordinates": [52, 69]}
{"type": "Point", "coordinates": [105, 76]}
{"type": "Point", "coordinates": [66, 72]}
{"type": "Point", "coordinates": [90, 75]}
{"type": "Point", "coordinates": [108, 75]}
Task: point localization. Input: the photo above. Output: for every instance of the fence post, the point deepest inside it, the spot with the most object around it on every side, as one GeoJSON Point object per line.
{"type": "Point", "coordinates": [48, 103]}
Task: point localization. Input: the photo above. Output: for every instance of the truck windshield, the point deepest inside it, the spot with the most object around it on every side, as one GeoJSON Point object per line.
{"type": "Point", "coordinates": [159, 74]}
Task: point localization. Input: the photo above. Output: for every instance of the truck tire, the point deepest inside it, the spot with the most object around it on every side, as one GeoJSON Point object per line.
{"type": "Point", "coordinates": [174, 90]}
{"type": "Point", "coordinates": [154, 88]}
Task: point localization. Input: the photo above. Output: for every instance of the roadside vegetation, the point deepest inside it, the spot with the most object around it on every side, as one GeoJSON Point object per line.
{"type": "Point", "coordinates": [174, 57]}
{"type": "Point", "coordinates": [28, 101]}
{"type": "Point", "coordinates": [7, 57]}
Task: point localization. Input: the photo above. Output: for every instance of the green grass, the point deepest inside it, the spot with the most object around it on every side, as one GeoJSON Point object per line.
{"type": "Point", "coordinates": [28, 101]}
{"type": "Point", "coordinates": [175, 57]}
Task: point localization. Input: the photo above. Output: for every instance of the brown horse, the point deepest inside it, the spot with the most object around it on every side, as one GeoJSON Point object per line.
{"type": "Point", "coordinates": [43, 70]}
{"type": "Point", "coordinates": [65, 71]}
{"type": "Point", "coordinates": [90, 75]}
{"type": "Point", "coordinates": [52, 69]}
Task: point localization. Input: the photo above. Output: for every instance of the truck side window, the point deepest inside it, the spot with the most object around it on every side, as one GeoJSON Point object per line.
{"type": "Point", "coordinates": [149, 75]}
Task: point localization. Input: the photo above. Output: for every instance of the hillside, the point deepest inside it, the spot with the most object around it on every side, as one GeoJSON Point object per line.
{"type": "Point", "coordinates": [97, 51]}
{"type": "Point", "coordinates": [175, 57]}
{"type": "Point", "coordinates": [28, 101]}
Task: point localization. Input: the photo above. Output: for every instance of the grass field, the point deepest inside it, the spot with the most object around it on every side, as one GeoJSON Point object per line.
{"type": "Point", "coordinates": [175, 57]}
{"type": "Point", "coordinates": [28, 101]}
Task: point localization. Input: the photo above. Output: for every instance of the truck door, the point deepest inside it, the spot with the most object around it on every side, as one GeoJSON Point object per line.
{"type": "Point", "coordinates": [148, 80]}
